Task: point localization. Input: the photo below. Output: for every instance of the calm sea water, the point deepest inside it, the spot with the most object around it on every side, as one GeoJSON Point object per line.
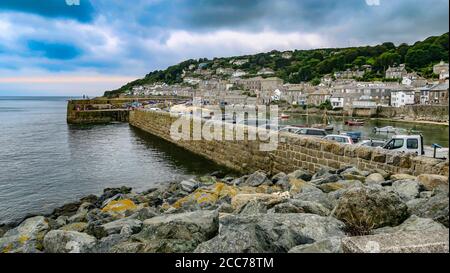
{"type": "Point", "coordinates": [45, 163]}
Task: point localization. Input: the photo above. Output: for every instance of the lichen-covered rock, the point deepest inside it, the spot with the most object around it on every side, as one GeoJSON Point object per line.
{"type": "Point", "coordinates": [413, 223]}
{"type": "Point", "coordinates": [178, 232]}
{"type": "Point", "coordinates": [317, 196]}
{"type": "Point", "coordinates": [278, 177]}
{"type": "Point", "coordinates": [61, 241]}
{"type": "Point", "coordinates": [270, 200]}
{"type": "Point", "coordinates": [371, 207]}
{"type": "Point", "coordinates": [406, 189]}
{"type": "Point", "coordinates": [435, 208]}
{"type": "Point", "coordinates": [80, 227]}
{"type": "Point", "coordinates": [270, 233]}
{"type": "Point", "coordinates": [431, 181]}
{"type": "Point", "coordinates": [207, 197]}
{"type": "Point", "coordinates": [331, 245]}
{"type": "Point", "coordinates": [297, 186]}
{"type": "Point", "coordinates": [120, 207]}
{"type": "Point", "coordinates": [25, 238]}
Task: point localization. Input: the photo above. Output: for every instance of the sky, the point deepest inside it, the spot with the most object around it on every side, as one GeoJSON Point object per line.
{"type": "Point", "coordinates": [74, 47]}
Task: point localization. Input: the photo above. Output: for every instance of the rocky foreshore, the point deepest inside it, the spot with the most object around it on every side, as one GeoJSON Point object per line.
{"type": "Point", "coordinates": [298, 212]}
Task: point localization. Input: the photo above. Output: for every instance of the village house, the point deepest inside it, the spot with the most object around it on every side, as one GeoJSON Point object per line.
{"type": "Point", "coordinates": [437, 94]}
{"type": "Point", "coordinates": [402, 97]}
{"type": "Point", "coordinates": [286, 55]}
{"type": "Point", "coordinates": [318, 97]}
{"type": "Point", "coordinates": [441, 69]}
{"type": "Point", "coordinates": [239, 73]}
{"type": "Point", "coordinates": [396, 72]}
{"type": "Point", "coordinates": [414, 80]}
{"type": "Point", "coordinates": [224, 71]}
{"type": "Point", "coordinates": [239, 62]}
{"type": "Point", "coordinates": [270, 84]}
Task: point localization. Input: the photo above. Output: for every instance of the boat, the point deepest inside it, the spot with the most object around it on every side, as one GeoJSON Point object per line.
{"type": "Point", "coordinates": [387, 130]}
{"type": "Point", "coordinates": [354, 122]}
{"type": "Point", "coordinates": [284, 116]}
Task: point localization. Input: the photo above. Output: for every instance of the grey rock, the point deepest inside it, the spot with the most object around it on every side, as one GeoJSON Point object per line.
{"type": "Point", "coordinates": [178, 232]}
{"type": "Point", "coordinates": [371, 207]}
{"type": "Point", "coordinates": [407, 189]}
{"type": "Point", "coordinates": [240, 180]}
{"type": "Point", "coordinates": [329, 178]}
{"type": "Point", "coordinates": [144, 213]}
{"type": "Point", "coordinates": [270, 233]}
{"type": "Point", "coordinates": [341, 184]}
{"type": "Point", "coordinates": [189, 185]}
{"type": "Point", "coordinates": [128, 247]}
{"type": "Point", "coordinates": [62, 220]}
{"type": "Point", "coordinates": [107, 244]}
{"type": "Point", "coordinates": [426, 194]}
{"type": "Point", "coordinates": [413, 223]}
{"type": "Point", "coordinates": [253, 207]}
{"type": "Point", "coordinates": [278, 176]}
{"type": "Point", "coordinates": [60, 241]}
{"type": "Point", "coordinates": [435, 208]}
{"type": "Point", "coordinates": [25, 238]}
{"type": "Point", "coordinates": [318, 197]}
{"type": "Point", "coordinates": [375, 178]}
{"type": "Point", "coordinates": [116, 226]}
{"type": "Point", "coordinates": [331, 245]}
{"type": "Point", "coordinates": [323, 171]}
{"type": "Point", "coordinates": [256, 179]}
{"type": "Point", "coordinates": [300, 174]}
{"type": "Point", "coordinates": [300, 206]}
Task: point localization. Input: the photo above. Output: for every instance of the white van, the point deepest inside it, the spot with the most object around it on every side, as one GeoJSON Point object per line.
{"type": "Point", "coordinates": [407, 144]}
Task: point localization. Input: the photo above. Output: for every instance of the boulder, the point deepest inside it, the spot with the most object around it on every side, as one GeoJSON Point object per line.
{"type": "Point", "coordinates": [189, 185]}
{"type": "Point", "coordinates": [406, 189]}
{"type": "Point", "coordinates": [120, 208]}
{"type": "Point", "coordinates": [331, 245]}
{"type": "Point", "coordinates": [413, 223]}
{"type": "Point", "coordinates": [342, 184]}
{"type": "Point", "coordinates": [270, 233]}
{"type": "Point", "coordinates": [367, 208]}
{"type": "Point", "coordinates": [253, 207]}
{"type": "Point", "coordinates": [178, 232]}
{"type": "Point", "coordinates": [300, 206]}
{"type": "Point", "coordinates": [435, 208]}
{"type": "Point", "coordinates": [207, 180]}
{"type": "Point", "coordinates": [206, 198]}
{"type": "Point", "coordinates": [317, 196]}
{"type": "Point", "coordinates": [81, 214]}
{"type": "Point", "coordinates": [80, 227]}
{"type": "Point", "coordinates": [108, 244]}
{"type": "Point", "coordinates": [61, 241]}
{"type": "Point", "coordinates": [296, 186]}
{"type": "Point", "coordinates": [328, 178]}
{"type": "Point", "coordinates": [278, 177]}
{"type": "Point", "coordinates": [300, 174]}
{"type": "Point", "coordinates": [116, 226]}
{"type": "Point", "coordinates": [110, 192]}
{"type": "Point", "coordinates": [401, 176]}
{"type": "Point", "coordinates": [25, 238]}
{"type": "Point", "coordinates": [256, 179]}
{"type": "Point", "coordinates": [144, 213]}
{"type": "Point", "coordinates": [375, 178]}
{"type": "Point", "coordinates": [431, 181]}
{"type": "Point", "coordinates": [269, 200]}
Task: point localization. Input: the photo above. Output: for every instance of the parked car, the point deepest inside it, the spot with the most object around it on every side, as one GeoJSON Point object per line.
{"type": "Point", "coordinates": [372, 143]}
{"type": "Point", "coordinates": [305, 131]}
{"type": "Point", "coordinates": [339, 138]}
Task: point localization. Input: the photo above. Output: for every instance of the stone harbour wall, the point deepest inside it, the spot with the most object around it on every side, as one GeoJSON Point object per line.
{"type": "Point", "coordinates": [436, 113]}
{"type": "Point", "coordinates": [293, 152]}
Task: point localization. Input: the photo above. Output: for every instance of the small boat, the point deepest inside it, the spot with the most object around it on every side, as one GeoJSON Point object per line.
{"type": "Point", "coordinates": [387, 130]}
{"type": "Point", "coordinates": [354, 122]}
{"type": "Point", "coordinates": [284, 116]}
{"type": "Point", "coordinates": [327, 128]}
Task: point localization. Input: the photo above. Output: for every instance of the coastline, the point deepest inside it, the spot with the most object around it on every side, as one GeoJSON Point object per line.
{"type": "Point", "coordinates": [185, 216]}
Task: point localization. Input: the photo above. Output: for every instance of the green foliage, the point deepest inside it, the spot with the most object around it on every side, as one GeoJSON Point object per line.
{"type": "Point", "coordinates": [326, 105]}
{"type": "Point", "coordinates": [311, 65]}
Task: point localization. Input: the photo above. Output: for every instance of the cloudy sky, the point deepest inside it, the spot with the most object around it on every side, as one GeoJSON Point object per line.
{"type": "Point", "coordinates": [71, 47]}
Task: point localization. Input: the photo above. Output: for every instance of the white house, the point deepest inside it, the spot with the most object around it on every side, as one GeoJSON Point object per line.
{"type": "Point", "coordinates": [401, 98]}
{"type": "Point", "coordinates": [239, 73]}
{"type": "Point", "coordinates": [337, 101]}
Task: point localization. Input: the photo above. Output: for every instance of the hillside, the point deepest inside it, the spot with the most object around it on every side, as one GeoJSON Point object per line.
{"type": "Point", "coordinates": [311, 65]}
